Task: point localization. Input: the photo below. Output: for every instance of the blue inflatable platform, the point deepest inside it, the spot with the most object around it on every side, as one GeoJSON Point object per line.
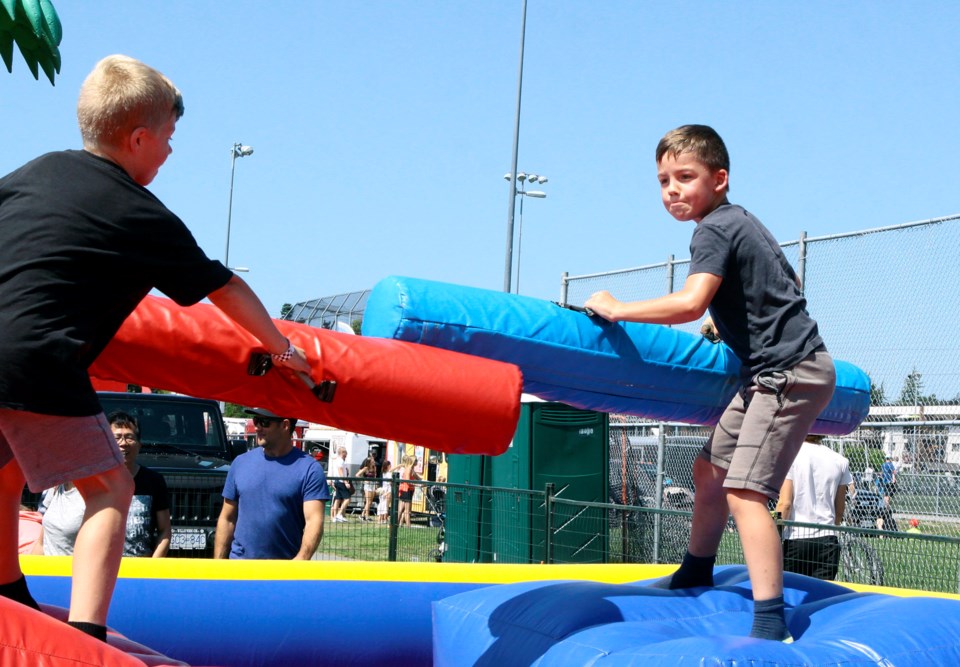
{"type": "Point", "coordinates": [229, 613]}
{"type": "Point", "coordinates": [579, 623]}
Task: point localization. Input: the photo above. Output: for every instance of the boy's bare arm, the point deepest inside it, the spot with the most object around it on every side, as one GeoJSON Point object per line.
{"type": "Point", "coordinates": [239, 302]}
{"type": "Point", "coordinates": [686, 305]}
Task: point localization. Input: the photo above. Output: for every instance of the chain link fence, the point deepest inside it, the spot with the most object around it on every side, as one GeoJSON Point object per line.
{"type": "Point", "coordinates": [883, 300]}
{"type": "Point", "coordinates": [459, 523]}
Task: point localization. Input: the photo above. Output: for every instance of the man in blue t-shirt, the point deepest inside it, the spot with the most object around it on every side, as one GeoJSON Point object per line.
{"type": "Point", "coordinates": [273, 499]}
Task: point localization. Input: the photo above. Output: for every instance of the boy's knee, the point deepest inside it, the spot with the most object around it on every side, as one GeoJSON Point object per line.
{"type": "Point", "coordinates": [11, 478]}
{"type": "Point", "coordinates": [738, 499]}
{"type": "Point", "coordinates": [121, 484]}
{"type": "Point", "coordinates": [114, 485]}
{"type": "Point", "coordinates": [707, 477]}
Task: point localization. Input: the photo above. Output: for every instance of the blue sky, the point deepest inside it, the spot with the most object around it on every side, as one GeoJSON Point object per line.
{"type": "Point", "coordinates": [382, 130]}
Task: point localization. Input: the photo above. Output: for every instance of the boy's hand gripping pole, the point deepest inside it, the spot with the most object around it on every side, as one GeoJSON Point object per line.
{"type": "Point", "coordinates": [261, 363]}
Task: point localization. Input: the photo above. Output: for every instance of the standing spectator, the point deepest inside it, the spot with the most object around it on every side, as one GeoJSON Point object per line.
{"type": "Point", "coordinates": [888, 480]}
{"type": "Point", "coordinates": [342, 488]}
{"type": "Point", "coordinates": [386, 489]}
{"type": "Point", "coordinates": [368, 471]}
{"type": "Point", "coordinates": [62, 508]}
{"type": "Point", "coordinates": [814, 491]}
{"type": "Point", "coordinates": [82, 241]}
{"type": "Point", "coordinates": [406, 489]}
{"type": "Point", "coordinates": [31, 528]}
{"type": "Point", "coordinates": [886, 483]}
{"type": "Point", "coordinates": [273, 499]}
{"type": "Point", "coordinates": [148, 520]}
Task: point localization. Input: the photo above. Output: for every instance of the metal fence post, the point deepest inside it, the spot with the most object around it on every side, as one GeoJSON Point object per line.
{"type": "Point", "coordinates": [392, 539]}
{"type": "Point", "coordinates": [548, 522]}
{"type": "Point", "coordinates": [661, 472]}
{"type": "Point", "coordinates": [564, 287]}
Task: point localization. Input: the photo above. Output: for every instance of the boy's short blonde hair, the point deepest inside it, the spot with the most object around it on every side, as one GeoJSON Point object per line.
{"type": "Point", "coordinates": [700, 140]}
{"type": "Point", "coordinates": [122, 94]}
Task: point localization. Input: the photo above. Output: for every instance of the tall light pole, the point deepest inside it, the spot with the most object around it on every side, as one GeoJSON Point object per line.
{"type": "Point", "coordinates": [523, 179]}
{"type": "Point", "coordinates": [516, 146]}
{"type": "Point", "coordinates": [238, 150]}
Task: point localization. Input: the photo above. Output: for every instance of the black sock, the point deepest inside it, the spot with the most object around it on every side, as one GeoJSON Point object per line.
{"type": "Point", "coordinates": [694, 571]}
{"type": "Point", "coordinates": [768, 620]}
{"type": "Point", "coordinates": [18, 592]}
{"type": "Point", "coordinates": [92, 629]}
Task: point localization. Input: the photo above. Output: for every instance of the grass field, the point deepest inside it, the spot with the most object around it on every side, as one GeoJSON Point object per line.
{"type": "Point", "coordinates": [368, 540]}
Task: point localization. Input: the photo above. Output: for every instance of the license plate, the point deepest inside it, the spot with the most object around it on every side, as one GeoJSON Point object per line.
{"type": "Point", "coordinates": [188, 538]}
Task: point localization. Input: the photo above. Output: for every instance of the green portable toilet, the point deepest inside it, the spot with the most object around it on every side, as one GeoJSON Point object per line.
{"type": "Point", "coordinates": [560, 445]}
{"type": "Point", "coordinates": [554, 444]}
{"type": "Point", "coordinates": [467, 523]}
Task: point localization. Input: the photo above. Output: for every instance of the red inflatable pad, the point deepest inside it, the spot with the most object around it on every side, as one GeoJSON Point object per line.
{"type": "Point", "coordinates": [411, 393]}
{"type": "Point", "coordinates": [30, 637]}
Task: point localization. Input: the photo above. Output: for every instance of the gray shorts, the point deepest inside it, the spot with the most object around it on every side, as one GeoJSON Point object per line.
{"type": "Point", "coordinates": [761, 430]}
{"type": "Point", "coordinates": [51, 450]}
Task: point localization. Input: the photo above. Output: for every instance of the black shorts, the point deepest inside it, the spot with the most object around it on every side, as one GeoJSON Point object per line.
{"type": "Point", "coordinates": [815, 557]}
{"type": "Point", "coordinates": [341, 491]}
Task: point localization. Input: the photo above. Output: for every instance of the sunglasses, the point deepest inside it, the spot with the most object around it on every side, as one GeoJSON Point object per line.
{"type": "Point", "coordinates": [263, 422]}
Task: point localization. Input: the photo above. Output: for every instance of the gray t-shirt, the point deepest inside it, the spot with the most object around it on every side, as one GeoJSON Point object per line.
{"type": "Point", "coordinates": [62, 508]}
{"type": "Point", "coordinates": [758, 309]}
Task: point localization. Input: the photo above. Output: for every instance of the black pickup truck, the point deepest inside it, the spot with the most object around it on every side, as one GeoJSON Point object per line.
{"type": "Point", "coordinates": [184, 440]}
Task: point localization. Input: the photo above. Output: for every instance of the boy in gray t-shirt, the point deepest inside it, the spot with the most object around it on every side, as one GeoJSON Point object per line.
{"type": "Point", "coordinates": [738, 270]}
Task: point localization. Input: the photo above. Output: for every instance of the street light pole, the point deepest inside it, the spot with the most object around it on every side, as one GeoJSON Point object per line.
{"type": "Point", "coordinates": [238, 150]}
{"type": "Point", "coordinates": [516, 146]}
{"type": "Point", "coordinates": [524, 178]}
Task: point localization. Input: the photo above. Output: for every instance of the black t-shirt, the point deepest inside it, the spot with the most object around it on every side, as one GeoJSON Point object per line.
{"type": "Point", "coordinates": [758, 309]}
{"type": "Point", "coordinates": [81, 243]}
{"type": "Point", "coordinates": [150, 496]}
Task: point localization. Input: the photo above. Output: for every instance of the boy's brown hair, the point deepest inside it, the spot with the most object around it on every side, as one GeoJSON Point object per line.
{"type": "Point", "coordinates": [122, 94]}
{"type": "Point", "coordinates": [700, 140]}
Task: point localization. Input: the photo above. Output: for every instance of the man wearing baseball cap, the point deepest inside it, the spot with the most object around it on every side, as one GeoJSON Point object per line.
{"type": "Point", "coordinates": [274, 497]}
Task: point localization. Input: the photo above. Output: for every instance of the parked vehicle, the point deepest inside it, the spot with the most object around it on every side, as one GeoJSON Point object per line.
{"type": "Point", "coordinates": [633, 467]}
{"type": "Point", "coordinates": [865, 507]}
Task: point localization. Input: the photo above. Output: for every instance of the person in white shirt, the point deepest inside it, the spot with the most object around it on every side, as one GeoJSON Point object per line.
{"type": "Point", "coordinates": [814, 492]}
{"type": "Point", "coordinates": [343, 488]}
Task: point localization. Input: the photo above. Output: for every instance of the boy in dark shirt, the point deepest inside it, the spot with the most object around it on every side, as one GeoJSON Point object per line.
{"type": "Point", "coordinates": [82, 241]}
{"type": "Point", "coordinates": [738, 270]}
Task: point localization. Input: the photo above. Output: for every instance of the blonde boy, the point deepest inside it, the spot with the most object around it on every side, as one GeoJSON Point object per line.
{"type": "Point", "coordinates": [738, 270]}
{"type": "Point", "coordinates": [82, 241]}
